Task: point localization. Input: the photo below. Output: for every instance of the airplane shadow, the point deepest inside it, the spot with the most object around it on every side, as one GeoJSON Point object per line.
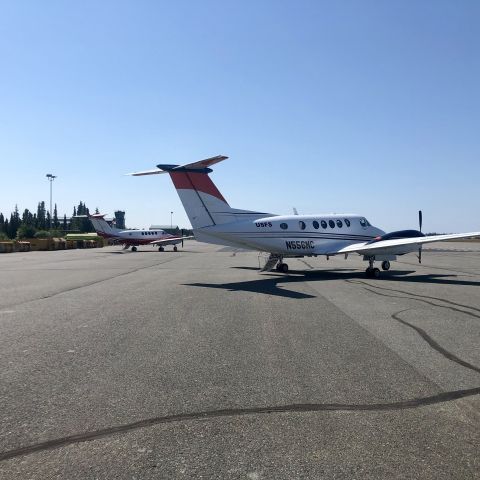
{"type": "Point", "coordinates": [276, 284]}
{"type": "Point", "coordinates": [139, 252]}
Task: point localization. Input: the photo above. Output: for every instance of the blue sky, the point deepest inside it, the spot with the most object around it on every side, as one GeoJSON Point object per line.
{"type": "Point", "coordinates": [368, 107]}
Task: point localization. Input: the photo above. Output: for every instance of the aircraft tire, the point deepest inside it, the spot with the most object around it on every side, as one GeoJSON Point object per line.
{"type": "Point", "coordinates": [175, 248]}
{"type": "Point", "coordinates": [134, 249]}
{"type": "Point", "coordinates": [385, 265]}
{"type": "Point", "coordinates": [372, 272]}
{"type": "Point", "coordinates": [160, 249]}
{"type": "Point", "coordinates": [283, 268]}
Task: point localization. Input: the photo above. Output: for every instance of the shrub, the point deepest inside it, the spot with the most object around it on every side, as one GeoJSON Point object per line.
{"type": "Point", "coordinates": [42, 234]}
{"type": "Point", "coordinates": [26, 231]}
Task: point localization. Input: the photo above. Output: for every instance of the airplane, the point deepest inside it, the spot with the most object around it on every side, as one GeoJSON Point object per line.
{"type": "Point", "coordinates": [134, 238]}
{"type": "Point", "coordinates": [287, 236]}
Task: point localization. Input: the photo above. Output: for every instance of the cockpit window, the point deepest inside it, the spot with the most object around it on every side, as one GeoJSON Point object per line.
{"type": "Point", "coordinates": [363, 222]}
{"type": "Point", "coordinates": [331, 223]}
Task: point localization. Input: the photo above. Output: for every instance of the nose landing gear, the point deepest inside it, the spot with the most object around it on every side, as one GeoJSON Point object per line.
{"type": "Point", "coordinates": [281, 267]}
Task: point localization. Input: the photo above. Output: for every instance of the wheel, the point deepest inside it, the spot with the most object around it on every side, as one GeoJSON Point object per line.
{"type": "Point", "coordinates": [134, 249]}
{"type": "Point", "coordinates": [283, 268]}
{"type": "Point", "coordinates": [175, 248]}
{"type": "Point", "coordinates": [375, 273]}
{"type": "Point", "coordinates": [369, 271]}
{"type": "Point", "coordinates": [385, 265]}
{"type": "Point", "coordinates": [161, 249]}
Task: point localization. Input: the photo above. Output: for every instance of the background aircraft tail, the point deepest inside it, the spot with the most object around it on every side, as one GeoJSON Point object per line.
{"type": "Point", "coordinates": [102, 227]}
{"type": "Point", "coordinates": [203, 202]}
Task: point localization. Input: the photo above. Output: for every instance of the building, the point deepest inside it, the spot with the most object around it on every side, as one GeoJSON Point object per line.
{"type": "Point", "coordinates": [120, 219]}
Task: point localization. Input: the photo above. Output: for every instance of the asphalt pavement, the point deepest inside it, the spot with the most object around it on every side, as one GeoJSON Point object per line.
{"type": "Point", "coordinates": [123, 365]}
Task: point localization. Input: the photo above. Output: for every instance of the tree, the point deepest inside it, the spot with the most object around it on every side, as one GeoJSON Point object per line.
{"type": "Point", "coordinates": [28, 217]}
{"type": "Point", "coordinates": [26, 231]}
{"type": "Point", "coordinates": [56, 223]}
{"type": "Point", "coordinates": [41, 216]}
{"type": "Point", "coordinates": [65, 226]}
{"type": "Point", "coordinates": [14, 223]}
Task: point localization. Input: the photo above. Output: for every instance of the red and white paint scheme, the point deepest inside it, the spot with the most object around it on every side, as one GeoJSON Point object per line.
{"type": "Point", "coordinates": [284, 236]}
{"type": "Point", "coordinates": [134, 238]}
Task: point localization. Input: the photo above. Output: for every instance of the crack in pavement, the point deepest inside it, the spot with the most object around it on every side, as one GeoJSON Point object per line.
{"type": "Point", "coordinates": [433, 344]}
{"type": "Point", "coordinates": [436, 346]}
{"type": "Point", "coordinates": [419, 298]}
{"type": "Point", "coordinates": [89, 284]}
{"type": "Point", "coordinates": [236, 412]}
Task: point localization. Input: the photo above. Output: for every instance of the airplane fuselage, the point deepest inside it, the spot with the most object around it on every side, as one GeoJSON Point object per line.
{"type": "Point", "coordinates": [294, 234]}
{"type": "Point", "coordinates": [139, 237]}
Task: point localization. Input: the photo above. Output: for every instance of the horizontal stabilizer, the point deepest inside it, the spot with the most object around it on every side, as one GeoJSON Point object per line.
{"type": "Point", "coordinates": [201, 166]}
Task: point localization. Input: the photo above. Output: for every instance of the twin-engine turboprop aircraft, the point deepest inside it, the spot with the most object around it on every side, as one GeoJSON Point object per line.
{"type": "Point", "coordinates": [214, 221]}
{"type": "Point", "coordinates": [134, 238]}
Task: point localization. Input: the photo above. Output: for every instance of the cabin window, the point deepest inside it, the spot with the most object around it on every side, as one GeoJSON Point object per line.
{"type": "Point", "coordinates": [283, 226]}
{"type": "Point", "coordinates": [302, 225]}
{"type": "Point", "coordinates": [315, 224]}
{"type": "Point", "coordinates": [347, 222]}
{"type": "Point", "coordinates": [323, 223]}
{"type": "Point", "coordinates": [339, 224]}
{"type": "Point", "coordinates": [331, 223]}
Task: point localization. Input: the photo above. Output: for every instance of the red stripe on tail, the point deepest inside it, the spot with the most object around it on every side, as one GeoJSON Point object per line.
{"type": "Point", "coordinates": [196, 181]}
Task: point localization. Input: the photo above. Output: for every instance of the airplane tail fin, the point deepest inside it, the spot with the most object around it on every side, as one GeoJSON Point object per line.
{"type": "Point", "coordinates": [101, 226]}
{"type": "Point", "coordinates": [203, 202]}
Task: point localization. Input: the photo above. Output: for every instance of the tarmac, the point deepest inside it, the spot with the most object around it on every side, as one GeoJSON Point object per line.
{"type": "Point", "coordinates": [149, 365]}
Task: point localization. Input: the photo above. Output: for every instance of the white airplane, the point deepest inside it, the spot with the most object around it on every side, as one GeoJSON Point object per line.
{"type": "Point", "coordinates": [134, 238]}
{"type": "Point", "coordinates": [287, 236]}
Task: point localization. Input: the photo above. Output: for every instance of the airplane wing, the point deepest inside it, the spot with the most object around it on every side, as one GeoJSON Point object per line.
{"type": "Point", "coordinates": [168, 241]}
{"type": "Point", "coordinates": [393, 246]}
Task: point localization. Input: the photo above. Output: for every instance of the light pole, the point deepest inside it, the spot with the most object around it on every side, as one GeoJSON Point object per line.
{"type": "Point", "coordinates": [171, 220]}
{"type": "Point", "coordinates": [51, 178]}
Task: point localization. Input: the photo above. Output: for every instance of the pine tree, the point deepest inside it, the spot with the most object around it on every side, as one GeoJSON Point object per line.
{"type": "Point", "coordinates": [41, 216]}
{"type": "Point", "coordinates": [56, 223]}
{"type": "Point", "coordinates": [14, 223]}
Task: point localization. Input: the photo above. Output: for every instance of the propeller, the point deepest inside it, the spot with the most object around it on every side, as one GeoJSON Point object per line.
{"type": "Point", "coordinates": [182, 237]}
{"type": "Point", "coordinates": [420, 221]}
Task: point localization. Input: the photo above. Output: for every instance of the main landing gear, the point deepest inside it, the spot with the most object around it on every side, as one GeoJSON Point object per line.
{"type": "Point", "coordinates": [373, 272]}
{"type": "Point", "coordinates": [162, 249]}
{"type": "Point", "coordinates": [134, 249]}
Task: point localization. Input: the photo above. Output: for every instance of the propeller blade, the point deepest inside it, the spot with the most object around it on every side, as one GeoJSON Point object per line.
{"type": "Point", "coordinates": [182, 237]}
{"type": "Point", "coordinates": [420, 254]}
{"type": "Point", "coordinates": [420, 219]}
